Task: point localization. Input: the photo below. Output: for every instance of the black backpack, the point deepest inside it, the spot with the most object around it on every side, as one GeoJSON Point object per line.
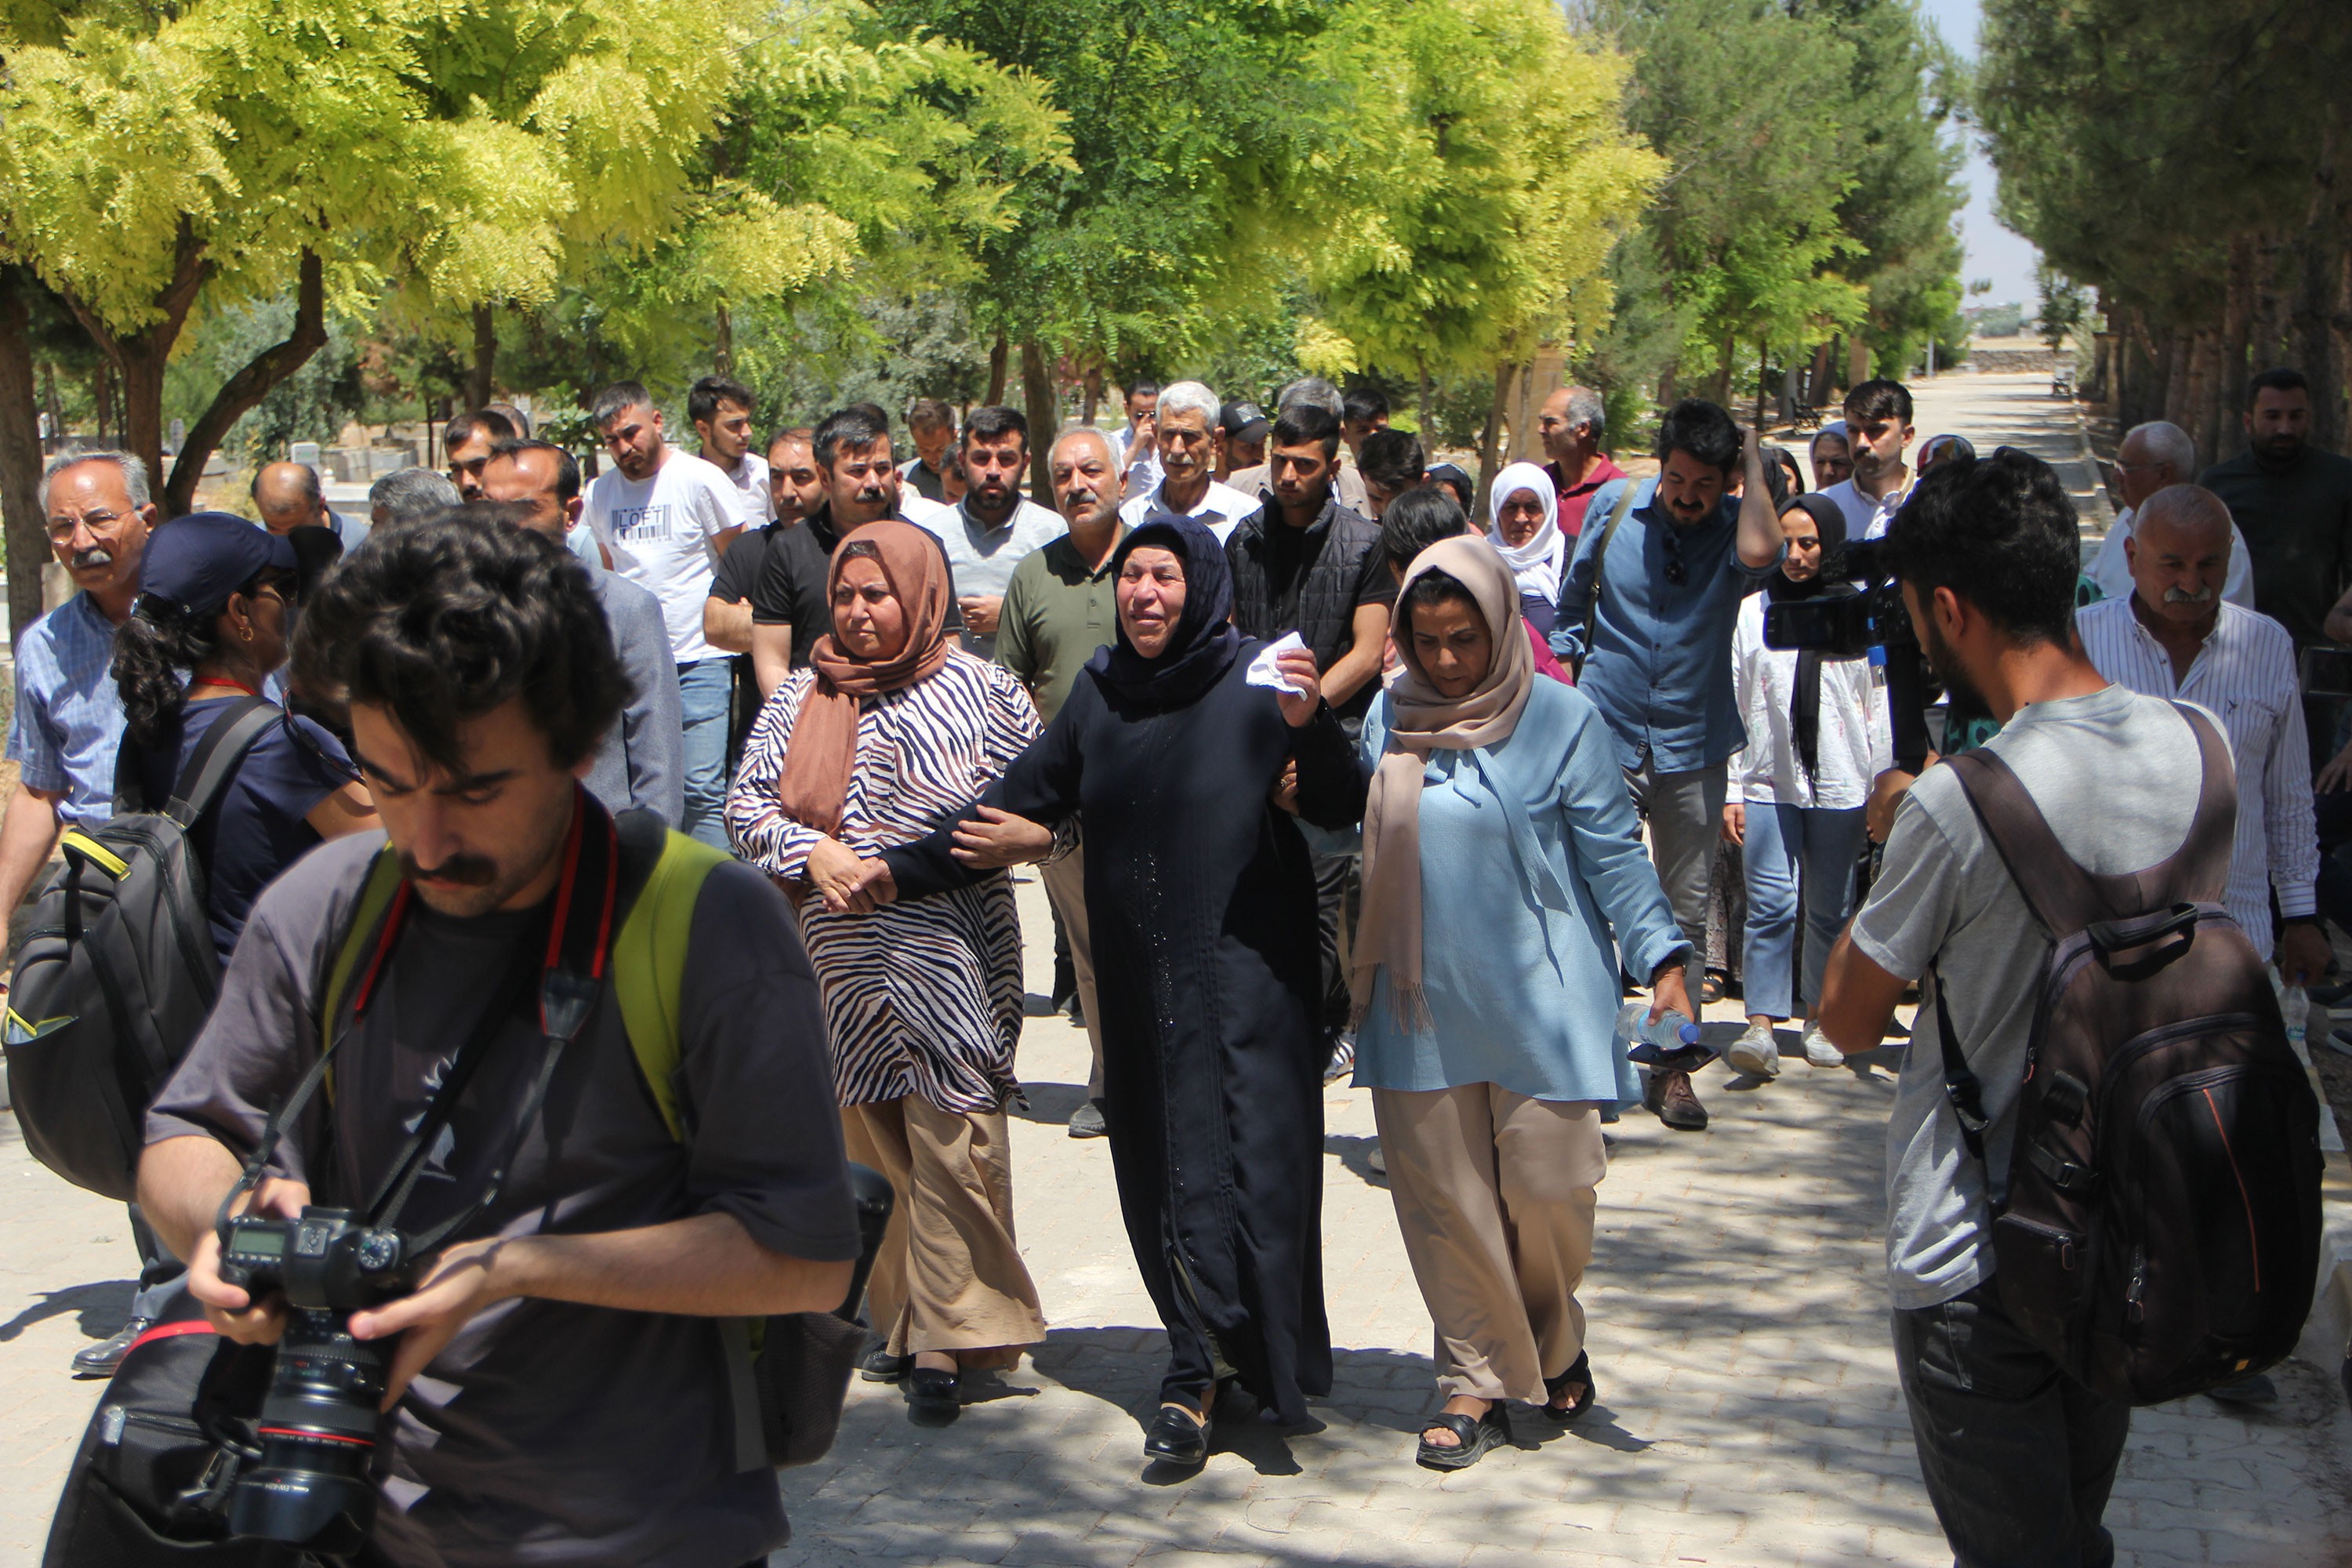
{"type": "Point", "coordinates": [2159, 1231]}
{"type": "Point", "coordinates": [118, 971]}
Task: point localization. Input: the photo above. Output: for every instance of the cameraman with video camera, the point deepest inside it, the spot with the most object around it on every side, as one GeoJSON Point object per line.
{"type": "Point", "coordinates": [544, 1233]}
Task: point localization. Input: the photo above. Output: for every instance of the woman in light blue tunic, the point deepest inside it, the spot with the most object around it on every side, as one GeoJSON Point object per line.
{"type": "Point", "coordinates": [1500, 854]}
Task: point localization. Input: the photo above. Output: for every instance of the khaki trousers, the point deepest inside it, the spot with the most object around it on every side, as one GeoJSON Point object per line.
{"type": "Point", "coordinates": [1494, 1192]}
{"type": "Point", "coordinates": [1065, 888]}
{"type": "Point", "coordinates": [948, 1277]}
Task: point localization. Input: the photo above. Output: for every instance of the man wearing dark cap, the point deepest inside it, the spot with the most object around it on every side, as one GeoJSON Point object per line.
{"type": "Point", "coordinates": [1246, 426]}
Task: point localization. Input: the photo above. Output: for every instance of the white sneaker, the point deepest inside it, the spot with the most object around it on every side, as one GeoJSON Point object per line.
{"type": "Point", "coordinates": [1819, 1051]}
{"type": "Point", "coordinates": [1756, 1052]}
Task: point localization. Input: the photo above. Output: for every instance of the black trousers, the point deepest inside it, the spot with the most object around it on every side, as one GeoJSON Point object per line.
{"type": "Point", "coordinates": [2019, 1457]}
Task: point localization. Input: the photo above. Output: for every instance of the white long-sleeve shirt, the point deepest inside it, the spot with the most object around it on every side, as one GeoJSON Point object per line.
{"type": "Point", "coordinates": [2113, 572]}
{"type": "Point", "coordinates": [2244, 677]}
{"type": "Point", "coordinates": [1855, 742]}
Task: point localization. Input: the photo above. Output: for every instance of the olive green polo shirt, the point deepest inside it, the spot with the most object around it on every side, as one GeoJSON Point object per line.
{"type": "Point", "coordinates": [1055, 615]}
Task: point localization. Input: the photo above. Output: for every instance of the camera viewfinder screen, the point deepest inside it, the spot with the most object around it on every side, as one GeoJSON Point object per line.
{"type": "Point", "coordinates": [263, 1243]}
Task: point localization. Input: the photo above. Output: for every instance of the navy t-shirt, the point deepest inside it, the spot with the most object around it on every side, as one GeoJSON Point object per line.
{"type": "Point", "coordinates": [258, 828]}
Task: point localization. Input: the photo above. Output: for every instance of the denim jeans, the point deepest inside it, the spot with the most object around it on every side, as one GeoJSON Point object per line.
{"type": "Point", "coordinates": [2018, 1457]}
{"type": "Point", "coordinates": [1783, 840]}
{"type": "Point", "coordinates": [702, 692]}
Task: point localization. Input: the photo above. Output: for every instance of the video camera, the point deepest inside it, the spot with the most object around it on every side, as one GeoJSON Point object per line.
{"type": "Point", "coordinates": [1847, 626]}
{"type": "Point", "coordinates": [1870, 621]}
{"type": "Point", "coordinates": [318, 1422]}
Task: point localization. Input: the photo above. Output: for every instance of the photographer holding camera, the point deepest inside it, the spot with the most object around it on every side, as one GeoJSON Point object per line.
{"type": "Point", "coordinates": [2017, 1454]}
{"type": "Point", "coordinates": [542, 1329]}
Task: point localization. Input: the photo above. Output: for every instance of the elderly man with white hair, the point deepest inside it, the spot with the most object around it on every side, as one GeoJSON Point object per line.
{"type": "Point", "coordinates": [2152, 457]}
{"type": "Point", "coordinates": [2176, 635]}
{"type": "Point", "coordinates": [1188, 428]}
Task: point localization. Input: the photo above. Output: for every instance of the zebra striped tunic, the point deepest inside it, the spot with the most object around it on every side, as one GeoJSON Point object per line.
{"type": "Point", "coordinates": [923, 997]}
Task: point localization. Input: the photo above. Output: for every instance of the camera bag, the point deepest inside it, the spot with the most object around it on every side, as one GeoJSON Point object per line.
{"type": "Point", "coordinates": [789, 1374]}
{"type": "Point", "coordinates": [149, 1487]}
{"type": "Point", "coordinates": [2158, 1230]}
{"type": "Point", "coordinates": [119, 971]}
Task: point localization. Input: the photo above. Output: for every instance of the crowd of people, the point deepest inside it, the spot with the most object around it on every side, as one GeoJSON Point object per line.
{"type": "Point", "coordinates": [1322, 776]}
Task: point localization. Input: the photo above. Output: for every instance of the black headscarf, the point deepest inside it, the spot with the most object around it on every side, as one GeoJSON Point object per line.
{"type": "Point", "coordinates": [1204, 643]}
{"type": "Point", "coordinates": [1805, 705]}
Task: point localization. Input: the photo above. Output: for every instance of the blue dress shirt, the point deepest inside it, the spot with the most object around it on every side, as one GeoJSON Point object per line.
{"type": "Point", "coordinates": [1660, 665]}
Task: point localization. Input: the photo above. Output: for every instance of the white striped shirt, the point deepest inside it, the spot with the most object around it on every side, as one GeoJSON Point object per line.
{"type": "Point", "coordinates": [2244, 677]}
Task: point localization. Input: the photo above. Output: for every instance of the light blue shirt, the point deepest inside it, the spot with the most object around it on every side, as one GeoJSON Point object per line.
{"type": "Point", "coordinates": [1660, 667]}
{"type": "Point", "coordinates": [68, 726]}
{"type": "Point", "coordinates": [1530, 854]}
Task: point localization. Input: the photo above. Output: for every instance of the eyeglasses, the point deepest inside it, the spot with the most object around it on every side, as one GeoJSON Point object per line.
{"type": "Point", "coordinates": [1677, 570]}
{"type": "Point", "coordinates": [62, 528]}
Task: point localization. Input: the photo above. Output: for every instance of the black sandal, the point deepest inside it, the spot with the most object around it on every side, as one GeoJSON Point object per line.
{"type": "Point", "coordinates": [1473, 1435]}
{"type": "Point", "coordinates": [1579, 1370]}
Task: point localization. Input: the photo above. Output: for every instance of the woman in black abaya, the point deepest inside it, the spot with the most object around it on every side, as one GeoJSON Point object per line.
{"type": "Point", "coordinates": [1203, 904]}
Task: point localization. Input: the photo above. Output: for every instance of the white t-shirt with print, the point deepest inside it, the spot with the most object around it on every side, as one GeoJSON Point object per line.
{"type": "Point", "coordinates": [661, 530]}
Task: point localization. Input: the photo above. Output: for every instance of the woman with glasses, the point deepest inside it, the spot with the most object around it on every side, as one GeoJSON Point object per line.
{"type": "Point", "coordinates": [212, 624]}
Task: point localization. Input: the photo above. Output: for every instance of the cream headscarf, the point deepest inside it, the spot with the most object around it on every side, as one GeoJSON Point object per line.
{"type": "Point", "coordinates": [1388, 931]}
{"type": "Point", "coordinates": [1536, 564]}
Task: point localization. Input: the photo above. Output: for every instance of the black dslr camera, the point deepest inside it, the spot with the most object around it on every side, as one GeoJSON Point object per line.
{"type": "Point", "coordinates": [1847, 626]}
{"type": "Point", "coordinates": [318, 1421]}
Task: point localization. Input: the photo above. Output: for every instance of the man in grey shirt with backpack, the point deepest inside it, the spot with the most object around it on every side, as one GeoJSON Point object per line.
{"type": "Point", "coordinates": [2018, 1449]}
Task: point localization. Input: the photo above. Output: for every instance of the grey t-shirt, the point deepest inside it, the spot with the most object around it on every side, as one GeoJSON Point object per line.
{"type": "Point", "coordinates": [547, 1432]}
{"type": "Point", "coordinates": [2117, 776]}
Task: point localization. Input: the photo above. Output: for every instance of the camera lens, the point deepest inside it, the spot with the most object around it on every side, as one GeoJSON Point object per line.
{"type": "Point", "coordinates": [318, 1430]}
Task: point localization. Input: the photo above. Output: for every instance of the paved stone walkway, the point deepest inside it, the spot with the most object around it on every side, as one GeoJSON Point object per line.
{"type": "Point", "coordinates": [1747, 1413]}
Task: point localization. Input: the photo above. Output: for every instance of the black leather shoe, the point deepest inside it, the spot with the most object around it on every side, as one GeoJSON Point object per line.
{"type": "Point", "coordinates": [101, 1359]}
{"type": "Point", "coordinates": [879, 1365]}
{"type": "Point", "coordinates": [1176, 1439]}
{"type": "Point", "coordinates": [932, 1395]}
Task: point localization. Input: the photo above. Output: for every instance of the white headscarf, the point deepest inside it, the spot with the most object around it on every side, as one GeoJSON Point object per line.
{"type": "Point", "coordinates": [1536, 564]}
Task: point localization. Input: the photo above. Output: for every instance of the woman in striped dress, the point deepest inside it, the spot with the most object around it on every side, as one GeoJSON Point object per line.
{"type": "Point", "coordinates": [891, 727]}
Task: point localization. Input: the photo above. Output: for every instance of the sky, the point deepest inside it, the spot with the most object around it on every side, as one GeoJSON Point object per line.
{"type": "Point", "coordinates": [1993, 252]}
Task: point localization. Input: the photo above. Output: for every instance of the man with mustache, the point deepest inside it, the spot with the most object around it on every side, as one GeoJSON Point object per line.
{"type": "Point", "coordinates": [558, 1384]}
{"type": "Point", "coordinates": [64, 734]}
{"type": "Point", "coordinates": [1647, 608]}
{"type": "Point", "coordinates": [2293, 504]}
{"type": "Point", "coordinates": [1057, 610]}
{"type": "Point", "coordinates": [2178, 636]}
{"type": "Point", "coordinates": [994, 527]}
{"type": "Point", "coordinates": [789, 604]}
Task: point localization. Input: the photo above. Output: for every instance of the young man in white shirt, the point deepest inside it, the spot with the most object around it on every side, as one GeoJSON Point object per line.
{"type": "Point", "coordinates": [720, 408]}
{"type": "Point", "coordinates": [1135, 442]}
{"type": "Point", "coordinates": [1188, 432]}
{"type": "Point", "coordinates": [666, 517]}
{"type": "Point", "coordinates": [988, 533]}
{"type": "Point", "coordinates": [1878, 430]}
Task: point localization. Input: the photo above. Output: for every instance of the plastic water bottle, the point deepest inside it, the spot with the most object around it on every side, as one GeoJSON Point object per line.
{"type": "Point", "coordinates": [1645, 1042]}
{"type": "Point", "coordinates": [2295, 1008]}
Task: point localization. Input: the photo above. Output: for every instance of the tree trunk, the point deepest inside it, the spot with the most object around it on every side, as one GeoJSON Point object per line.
{"type": "Point", "coordinates": [1857, 363]}
{"type": "Point", "coordinates": [1424, 415]}
{"type": "Point", "coordinates": [247, 387]}
{"type": "Point", "coordinates": [2236, 333]}
{"type": "Point", "coordinates": [1041, 403]}
{"type": "Point", "coordinates": [1762, 354]}
{"type": "Point", "coordinates": [1094, 391]}
{"type": "Point", "coordinates": [996, 356]}
{"type": "Point", "coordinates": [479, 381]}
{"type": "Point", "coordinates": [20, 455]}
{"type": "Point", "coordinates": [1817, 384]}
{"type": "Point", "coordinates": [102, 399]}
{"type": "Point", "coordinates": [1490, 438]}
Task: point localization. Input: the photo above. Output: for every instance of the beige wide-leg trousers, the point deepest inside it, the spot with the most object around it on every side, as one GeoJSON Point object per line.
{"type": "Point", "coordinates": [1494, 1192]}
{"type": "Point", "coordinates": [950, 1276]}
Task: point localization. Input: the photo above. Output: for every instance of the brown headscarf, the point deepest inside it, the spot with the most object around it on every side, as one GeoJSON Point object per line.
{"type": "Point", "coordinates": [1388, 933]}
{"type": "Point", "coordinates": [824, 747]}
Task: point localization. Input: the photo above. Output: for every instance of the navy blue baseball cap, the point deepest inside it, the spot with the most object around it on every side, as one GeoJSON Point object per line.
{"type": "Point", "coordinates": [194, 562]}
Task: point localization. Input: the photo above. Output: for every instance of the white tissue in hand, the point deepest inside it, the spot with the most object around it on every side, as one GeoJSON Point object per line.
{"type": "Point", "coordinates": [1262, 670]}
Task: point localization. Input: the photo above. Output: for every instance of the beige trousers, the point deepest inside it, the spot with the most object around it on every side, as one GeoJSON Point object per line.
{"type": "Point", "coordinates": [950, 1276]}
{"type": "Point", "coordinates": [1065, 887]}
{"type": "Point", "coordinates": [1494, 1192]}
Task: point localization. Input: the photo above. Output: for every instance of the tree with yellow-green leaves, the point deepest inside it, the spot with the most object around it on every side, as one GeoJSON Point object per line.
{"type": "Point", "coordinates": [159, 163]}
{"type": "Point", "coordinates": [1486, 175]}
